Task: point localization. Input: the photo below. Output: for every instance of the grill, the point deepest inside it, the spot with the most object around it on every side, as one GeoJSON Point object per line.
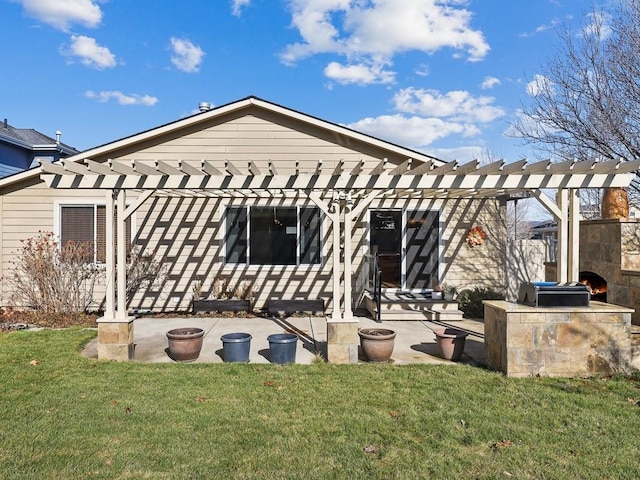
{"type": "Point", "coordinates": [552, 294]}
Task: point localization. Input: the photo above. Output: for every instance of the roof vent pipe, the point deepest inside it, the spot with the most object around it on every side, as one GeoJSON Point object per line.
{"type": "Point", "coordinates": [6, 124]}
{"type": "Point", "coordinates": [58, 134]}
{"type": "Point", "coordinates": [204, 106]}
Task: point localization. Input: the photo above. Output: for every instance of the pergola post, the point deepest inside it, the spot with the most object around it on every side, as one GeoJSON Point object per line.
{"type": "Point", "coordinates": [573, 257]}
{"type": "Point", "coordinates": [563, 236]}
{"type": "Point", "coordinates": [110, 256]}
{"type": "Point", "coordinates": [115, 328]}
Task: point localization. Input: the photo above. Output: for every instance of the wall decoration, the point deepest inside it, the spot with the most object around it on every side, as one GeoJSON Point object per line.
{"type": "Point", "coordinates": [475, 236]}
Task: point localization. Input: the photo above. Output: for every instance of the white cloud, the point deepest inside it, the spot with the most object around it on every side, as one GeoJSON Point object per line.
{"type": "Point", "coordinates": [374, 32]}
{"type": "Point", "coordinates": [359, 74]}
{"type": "Point", "coordinates": [61, 14]}
{"type": "Point", "coordinates": [121, 98]}
{"type": "Point", "coordinates": [456, 105]}
{"type": "Point", "coordinates": [598, 24]}
{"type": "Point", "coordinates": [490, 82]}
{"type": "Point", "coordinates": [186, 56]}
{"type": "Point", "coordinates": [462, 154]}
{"type": "Point", "coordinates": [539, 84]}
{"type": "Point", "coordinates": [89, 52]}
{"type": "Point", "coordinates": [412, 131]}
{"type": "Point", "coordinates": [237, 5]}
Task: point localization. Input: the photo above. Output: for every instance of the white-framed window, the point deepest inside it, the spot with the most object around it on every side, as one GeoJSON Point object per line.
{"type": "Point", "coordinates": [257, 235]}
{"type": "Point", "coordinates": [80, 222]}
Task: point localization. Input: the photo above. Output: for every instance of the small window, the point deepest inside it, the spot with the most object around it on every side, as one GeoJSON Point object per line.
{"type": "Point", "coordinates": [88, 223]}
{"type": "Point", "coordinates": [273, 235]}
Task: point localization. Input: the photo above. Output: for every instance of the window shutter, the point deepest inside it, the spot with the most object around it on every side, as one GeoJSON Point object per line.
{"type": "Point", "coordinates": [76, 224]}
{"type": "Point", "coordinates": [101, 233]}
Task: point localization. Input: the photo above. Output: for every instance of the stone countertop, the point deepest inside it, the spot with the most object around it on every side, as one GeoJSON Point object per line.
{"type": "Point", "coordinates": [594, 307]}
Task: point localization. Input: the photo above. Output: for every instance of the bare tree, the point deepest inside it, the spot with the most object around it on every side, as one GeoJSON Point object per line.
{"type": "Point", "coordinates": [585, 104]}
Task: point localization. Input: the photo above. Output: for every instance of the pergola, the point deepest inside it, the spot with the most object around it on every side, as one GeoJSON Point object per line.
{"type": "Point", "coordinates": [340, 193]}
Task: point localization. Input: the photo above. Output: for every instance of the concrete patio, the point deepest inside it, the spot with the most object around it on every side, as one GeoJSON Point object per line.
{"type": "Point", "coordinates": [415, 341]}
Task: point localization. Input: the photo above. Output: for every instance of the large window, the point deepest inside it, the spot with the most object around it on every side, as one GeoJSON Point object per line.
{"type": "Point", "coordinates": [88, 223]}
{"type": "Point", "coordinates": [273, 235]}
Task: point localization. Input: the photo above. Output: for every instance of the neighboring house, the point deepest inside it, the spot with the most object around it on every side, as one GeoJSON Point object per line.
{"type": "Point", "coordinates": [254, 191]}
{"type": "Point", "coordinates": [24, 148]}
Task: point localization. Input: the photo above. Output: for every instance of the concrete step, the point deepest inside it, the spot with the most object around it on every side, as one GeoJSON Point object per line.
{"type": "Point", "coordinates": [415, 309]}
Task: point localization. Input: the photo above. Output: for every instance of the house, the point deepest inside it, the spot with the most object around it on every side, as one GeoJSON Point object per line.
{"type": "Point", "coordinates": [24, 148]}
{"type": "Point", "coordinates": [254, 191]}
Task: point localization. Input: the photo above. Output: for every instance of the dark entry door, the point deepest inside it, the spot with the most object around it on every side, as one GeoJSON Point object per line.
{"type": "Point", "coordinates": [386, 241]}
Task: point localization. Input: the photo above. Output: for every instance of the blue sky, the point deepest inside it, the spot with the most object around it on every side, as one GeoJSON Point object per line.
{"type": "Point", "coordinates": [445, 77]}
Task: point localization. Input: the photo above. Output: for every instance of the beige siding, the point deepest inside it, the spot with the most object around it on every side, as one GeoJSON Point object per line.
{"type": "Point", "coordinates": [186, 233]}
{"type": "Point", "coordinates": [257, 139]}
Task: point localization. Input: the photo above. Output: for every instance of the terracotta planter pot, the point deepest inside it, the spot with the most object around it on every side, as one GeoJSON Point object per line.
{"type": "Point", "coordinates": [451, 342]}
{"type": "Point", "coordinates": [377, 343]}
{"type": "Point", "coordinates": [185, 343]}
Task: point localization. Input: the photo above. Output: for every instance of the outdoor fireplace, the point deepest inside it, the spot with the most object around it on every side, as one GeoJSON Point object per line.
{"type": "Point", "coordinates": [610, 262]}
{"type": "Point", "coordinates": [596, 285]}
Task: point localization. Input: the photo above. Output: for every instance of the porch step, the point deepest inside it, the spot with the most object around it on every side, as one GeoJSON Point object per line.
{"type": "Point", "coordinates": [401, 306]}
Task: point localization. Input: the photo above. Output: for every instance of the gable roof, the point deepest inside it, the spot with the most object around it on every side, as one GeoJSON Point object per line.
{"type": "Point", "coordinates": [238, 106]}
{"type": "Point", "coordinates": [31, 139]}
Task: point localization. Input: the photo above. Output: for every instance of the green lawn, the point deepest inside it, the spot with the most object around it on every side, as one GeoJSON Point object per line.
{"type": "Point", "coordinates": [65, 417]}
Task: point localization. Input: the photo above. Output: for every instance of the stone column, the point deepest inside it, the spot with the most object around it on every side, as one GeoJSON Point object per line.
{"type": "Point", "coordinates": [115, 339]}
{"type": "Point", "coordinates": [342, 340]}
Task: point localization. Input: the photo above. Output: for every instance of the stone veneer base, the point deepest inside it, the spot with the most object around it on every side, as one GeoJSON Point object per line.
{"type": "Point", "coordinates": [523, 341]}
{"type": "Point", "coordinates": [115, 339]}
{"type": "Point", "coordinates": [342, 341]}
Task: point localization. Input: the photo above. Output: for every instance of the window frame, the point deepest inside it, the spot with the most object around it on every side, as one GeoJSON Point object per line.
{"type": "Point", "coordinates": [59, 204]}
{"type": "Point", "coordinates": [298, 253]}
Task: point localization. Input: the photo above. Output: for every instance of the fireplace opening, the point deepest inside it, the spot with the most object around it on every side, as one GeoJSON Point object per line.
{"type": "Point", "coordinates": [596, 284]}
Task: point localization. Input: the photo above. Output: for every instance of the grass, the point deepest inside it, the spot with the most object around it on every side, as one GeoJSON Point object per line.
{"type": "Point", "coordinates": [68, 417]}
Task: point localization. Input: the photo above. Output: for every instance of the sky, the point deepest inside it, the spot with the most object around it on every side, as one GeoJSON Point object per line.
{"type": "Point", "coordinates": [443, 77]}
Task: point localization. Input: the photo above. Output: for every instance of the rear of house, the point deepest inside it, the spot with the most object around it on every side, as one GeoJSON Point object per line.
{"type": "Point", "coordinates": [279, 239]}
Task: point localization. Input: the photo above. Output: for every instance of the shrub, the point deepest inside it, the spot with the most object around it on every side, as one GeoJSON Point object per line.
{"type": "Point", "coordinates": [51, 278]}
{"type": "Point", "coordinates": [470, 301]}
{"type": "Point", "coordinates": [144, 270]}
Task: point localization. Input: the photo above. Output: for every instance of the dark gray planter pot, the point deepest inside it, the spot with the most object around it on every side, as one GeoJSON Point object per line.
{"type": "Point", "coordinates": [283, 347]}
{"type": "Point", "coordinates": [236, 347]}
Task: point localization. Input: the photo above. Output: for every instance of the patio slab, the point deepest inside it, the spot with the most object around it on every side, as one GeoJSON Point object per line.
{"type": "Point", "coordinates": [415, 341]}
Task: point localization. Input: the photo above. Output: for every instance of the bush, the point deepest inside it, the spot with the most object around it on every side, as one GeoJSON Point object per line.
{"type": "Point", "coordinates": [470, 301]}
{"type": "Point", "coordinates": [51, 278]}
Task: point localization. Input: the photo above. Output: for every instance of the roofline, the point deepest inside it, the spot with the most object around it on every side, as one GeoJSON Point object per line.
{"type": "Point", "coordinates": [237, 105]}
{"type": "Point", "coordinates": [39, 146]}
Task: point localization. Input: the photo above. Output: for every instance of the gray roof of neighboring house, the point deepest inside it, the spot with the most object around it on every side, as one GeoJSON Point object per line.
{"type": "Point", "coordinates": [29, 138]}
